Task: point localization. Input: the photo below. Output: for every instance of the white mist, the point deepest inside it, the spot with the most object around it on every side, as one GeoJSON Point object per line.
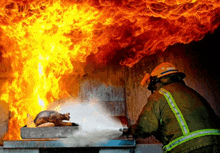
{"type": "Point", "coordinates": [95, 126]}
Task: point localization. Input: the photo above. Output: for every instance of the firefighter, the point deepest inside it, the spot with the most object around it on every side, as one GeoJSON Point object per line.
{"type": "Point", "coordinates": [179, 117]}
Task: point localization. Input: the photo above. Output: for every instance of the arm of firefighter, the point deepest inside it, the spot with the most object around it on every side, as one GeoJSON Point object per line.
{"type": "Point", "coordinates": [147, 122]}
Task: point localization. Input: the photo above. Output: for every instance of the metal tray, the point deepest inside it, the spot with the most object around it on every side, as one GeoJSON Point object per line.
{"type": "Point", "coordinates": [48, 132]}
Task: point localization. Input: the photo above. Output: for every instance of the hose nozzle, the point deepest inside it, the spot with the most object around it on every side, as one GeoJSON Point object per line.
{"type": "Point", "coordinates": [124, 129]}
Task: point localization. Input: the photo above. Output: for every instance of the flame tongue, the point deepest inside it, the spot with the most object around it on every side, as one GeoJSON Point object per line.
{"type": "Point", "coordinates": [48, 40]}
{"type": "Point", "coordinates": [140, 28]}
{"type": "Point", "coordinates": [46, 48]}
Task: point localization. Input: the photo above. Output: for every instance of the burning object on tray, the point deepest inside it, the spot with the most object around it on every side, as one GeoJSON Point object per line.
{"type": "Point", "coordinates": [51, 118]}
{"type": "Point", "coordinates": [48, 124]}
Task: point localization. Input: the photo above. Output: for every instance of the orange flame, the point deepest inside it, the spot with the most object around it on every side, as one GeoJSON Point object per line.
{"type": "Point", "coordinates": [47, 40]}
{"type": "Point", "coordinates": [47, 44]}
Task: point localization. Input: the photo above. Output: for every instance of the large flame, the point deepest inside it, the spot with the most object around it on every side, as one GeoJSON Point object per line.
{"type": "Point", "coordinates": [48, 41]}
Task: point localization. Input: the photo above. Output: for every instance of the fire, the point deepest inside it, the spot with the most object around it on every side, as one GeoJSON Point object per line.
{"type": "Point", "coordinates": [48, 41]}
{"type": "Point", "coordinates": [49, 45]}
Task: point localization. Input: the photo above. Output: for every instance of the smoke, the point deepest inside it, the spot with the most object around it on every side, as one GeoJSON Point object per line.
{"type": "Point", "coordinates": [95, 126]}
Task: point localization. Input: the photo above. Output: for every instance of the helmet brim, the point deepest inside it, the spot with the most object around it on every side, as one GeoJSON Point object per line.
{"type": "Point", "coordinates": [146, 79]}
{"type": "Point", "coordinates": [180, 74]}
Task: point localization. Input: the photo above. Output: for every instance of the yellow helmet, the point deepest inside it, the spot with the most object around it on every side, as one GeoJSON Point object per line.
{"type": "Point", "coordinates": [160, 71]}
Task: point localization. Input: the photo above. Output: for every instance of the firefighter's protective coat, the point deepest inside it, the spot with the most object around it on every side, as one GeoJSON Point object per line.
{"type": "Point", "coordinates": [158, 119]}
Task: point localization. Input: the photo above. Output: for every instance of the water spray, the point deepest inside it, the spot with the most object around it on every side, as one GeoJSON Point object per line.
{"type": "Point", "coordinates": [95, 125]}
